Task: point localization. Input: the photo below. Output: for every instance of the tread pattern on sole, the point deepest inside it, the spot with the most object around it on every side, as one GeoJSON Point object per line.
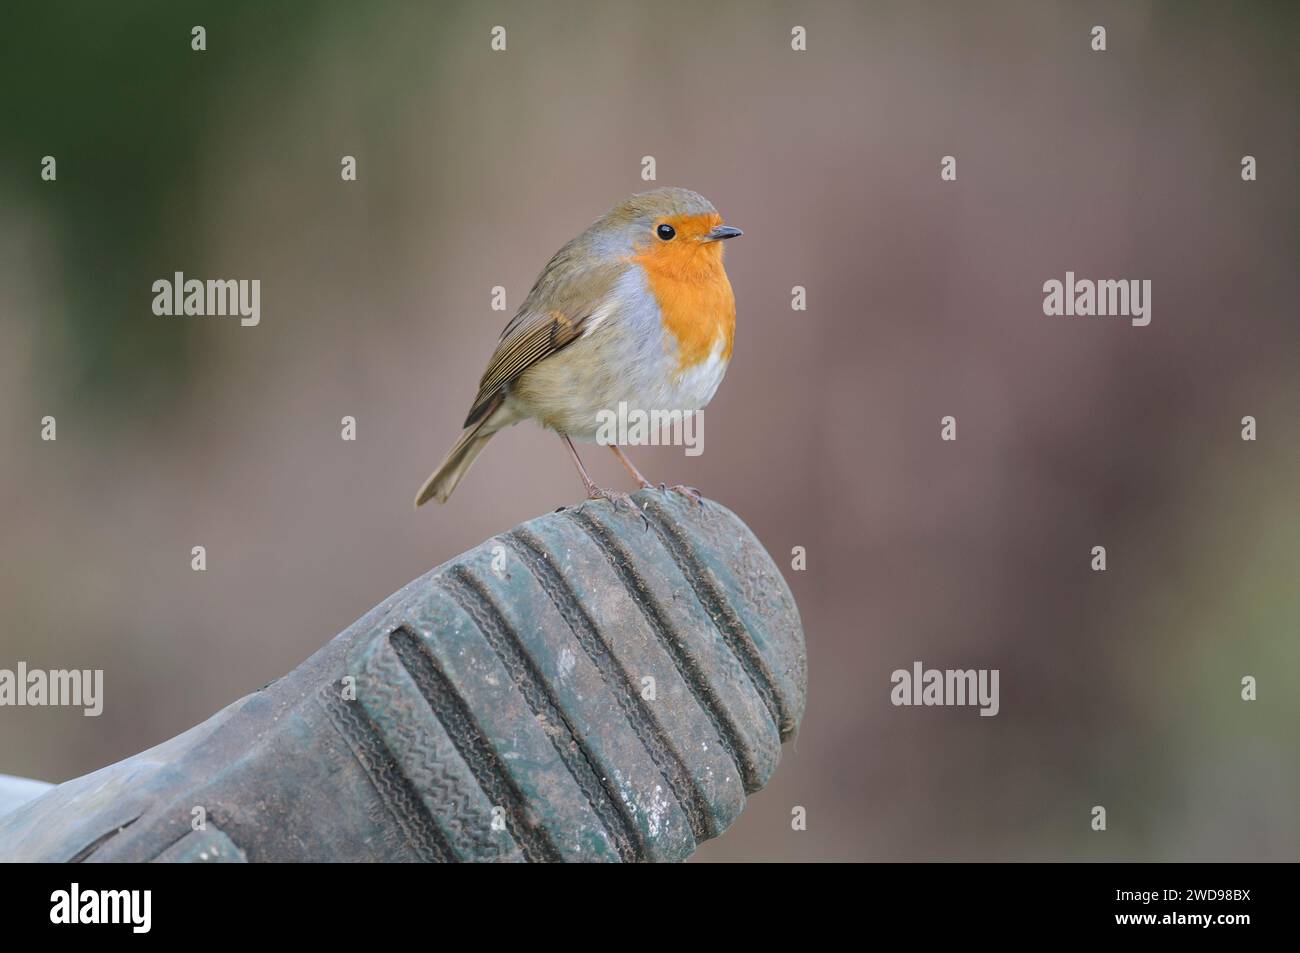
{"type": "Point", "coordinates": [476, 601]}
{"type": "Point", "coordinates": [640, 720]}
{"type": "Point", "coordinates": [477, 752]}
{"type": "Point", "coordinates": [395, 790]}
{"type": "Point", "coordinates": [426, 753]}
{"type": "Point", "coordinates": [673, 644]}
{"type": "Point", "coordinates": [500, 712]}
{"type": "Point", "coordinates": [719, 609]}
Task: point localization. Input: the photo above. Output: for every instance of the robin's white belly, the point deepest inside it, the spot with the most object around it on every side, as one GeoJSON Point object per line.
{"type": "Point", "coordinates": [694, 387]}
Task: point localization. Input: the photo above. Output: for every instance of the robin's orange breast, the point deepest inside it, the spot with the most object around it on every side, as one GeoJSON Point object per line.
{"type": "Point", "coordinates": [695, 300]}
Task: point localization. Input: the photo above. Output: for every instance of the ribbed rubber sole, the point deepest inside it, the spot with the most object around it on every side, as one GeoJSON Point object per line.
{"type": "Point", "coordinates": [594, 685]}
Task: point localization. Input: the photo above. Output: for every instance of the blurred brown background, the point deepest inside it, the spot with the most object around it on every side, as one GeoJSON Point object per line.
{"type": "Point", "coordinates": [924, 299]}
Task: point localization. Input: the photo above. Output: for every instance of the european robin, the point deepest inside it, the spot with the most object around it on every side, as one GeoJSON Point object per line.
{"type": "Point", "coordinates": [637, 310]}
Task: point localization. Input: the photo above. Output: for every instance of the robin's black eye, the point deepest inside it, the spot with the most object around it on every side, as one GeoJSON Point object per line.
{"type": "Point", "coordinates": [666, 232]}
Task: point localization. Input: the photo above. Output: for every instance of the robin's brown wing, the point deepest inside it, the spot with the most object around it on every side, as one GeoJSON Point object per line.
{"type": "Point", "coordinates": [569, 292]}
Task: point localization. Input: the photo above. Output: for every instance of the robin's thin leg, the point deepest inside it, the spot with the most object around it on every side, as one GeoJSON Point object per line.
{"type": "Point", "coordinates": [595, 492]}
{"type": "Point", "coordinates": [588, 483]}
{"type": "Point", "coordinates": [627, 465]}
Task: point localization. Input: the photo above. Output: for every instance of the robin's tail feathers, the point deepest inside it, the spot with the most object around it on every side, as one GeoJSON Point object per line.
{"type": "Point", "coordinates": [461, 457]}
{"type": "Point", "coordinates": [453, 469]}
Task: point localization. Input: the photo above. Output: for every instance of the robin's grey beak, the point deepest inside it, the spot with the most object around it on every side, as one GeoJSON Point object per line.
{"type": "Point", "coordinates": [720, 232]}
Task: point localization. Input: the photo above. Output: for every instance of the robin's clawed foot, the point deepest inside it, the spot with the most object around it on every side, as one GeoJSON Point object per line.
{"type": "Point", "coordinates": [687, 491]}
{"type": "Point", "coordinates": [618, 498]}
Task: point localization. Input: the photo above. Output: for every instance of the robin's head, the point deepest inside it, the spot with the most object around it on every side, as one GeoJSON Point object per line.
{"type": "Point", "coordinates": [670, 230]}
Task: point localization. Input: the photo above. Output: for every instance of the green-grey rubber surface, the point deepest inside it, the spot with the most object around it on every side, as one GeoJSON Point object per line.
{"type": "Point", "coordinates": [594, 685]}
